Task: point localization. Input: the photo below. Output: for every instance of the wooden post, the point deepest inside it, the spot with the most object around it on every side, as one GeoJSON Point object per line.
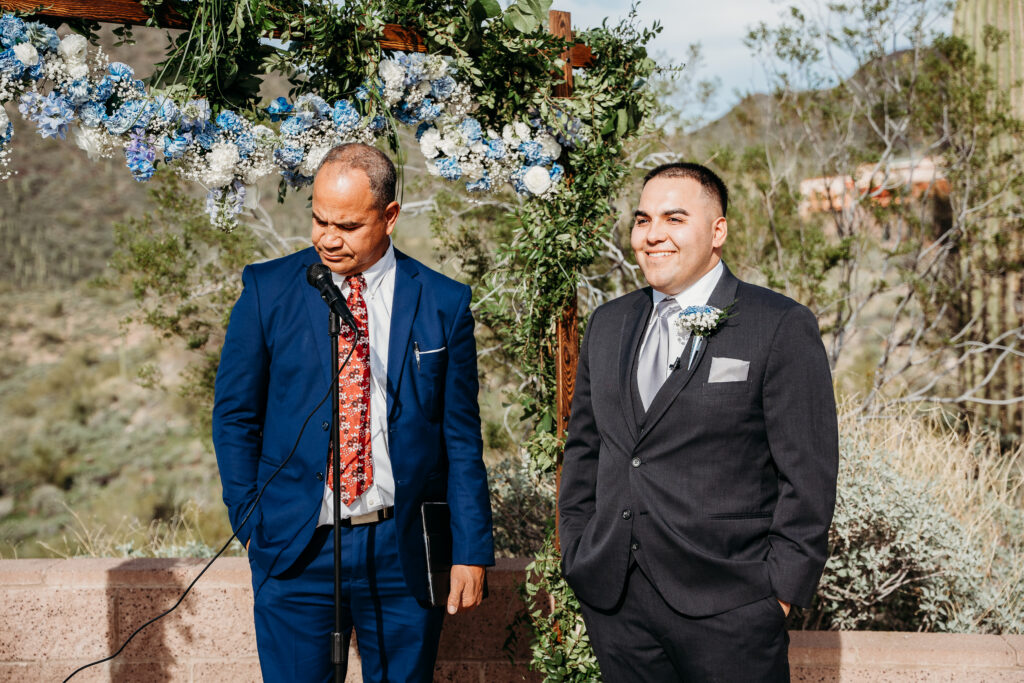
{"type": "Point", "coordinates": [567, 325]}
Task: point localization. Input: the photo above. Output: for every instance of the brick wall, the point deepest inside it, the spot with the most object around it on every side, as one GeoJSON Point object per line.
{"type": "Point", "coordinates": [58, 614]}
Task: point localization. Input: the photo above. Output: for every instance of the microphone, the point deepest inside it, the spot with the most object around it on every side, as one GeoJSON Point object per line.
{"type": "Point", "coordinates": [319, 276]}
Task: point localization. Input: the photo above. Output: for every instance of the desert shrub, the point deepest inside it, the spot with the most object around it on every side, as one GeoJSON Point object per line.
{"type": "Point", "coordinates": [928, 534]}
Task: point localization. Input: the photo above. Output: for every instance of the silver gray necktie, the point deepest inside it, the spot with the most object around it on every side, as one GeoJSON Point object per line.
{"type": "Point", "coordinates": [653, 364]}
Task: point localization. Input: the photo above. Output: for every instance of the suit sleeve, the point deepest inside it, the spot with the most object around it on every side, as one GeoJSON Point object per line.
{"type": "Point", "coordinates": [578, 492]}
{"type": "Point", "coordinates": [240, 393]}
{"type": "Point", "coordinates": [468, 497]}
{"type": "Point", "coordinates": [803, 435]}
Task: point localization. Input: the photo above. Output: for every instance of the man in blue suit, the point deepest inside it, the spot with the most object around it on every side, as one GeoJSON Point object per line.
{"type": "Point", "coordinates": [415, 437]}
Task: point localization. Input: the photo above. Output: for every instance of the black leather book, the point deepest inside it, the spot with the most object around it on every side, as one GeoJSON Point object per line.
{"type": "Point", "coordinates": [437, 537]}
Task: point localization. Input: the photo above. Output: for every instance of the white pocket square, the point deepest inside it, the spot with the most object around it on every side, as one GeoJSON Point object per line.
{"type": "Point", "coordinates": [728, 370]}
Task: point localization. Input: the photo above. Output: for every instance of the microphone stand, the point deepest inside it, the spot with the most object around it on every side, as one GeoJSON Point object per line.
{"type": "Point", "coordinates": [339, 640]}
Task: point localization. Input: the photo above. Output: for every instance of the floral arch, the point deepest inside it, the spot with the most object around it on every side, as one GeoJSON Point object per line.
{"type": "Point", "coordinates": [497, 101]}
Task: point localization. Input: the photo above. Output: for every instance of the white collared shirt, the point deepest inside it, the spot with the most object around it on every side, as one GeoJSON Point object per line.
{"type": "Point", "coordinates": [696, 295]}
{"type": "Point", "coordinates": [379, 296]}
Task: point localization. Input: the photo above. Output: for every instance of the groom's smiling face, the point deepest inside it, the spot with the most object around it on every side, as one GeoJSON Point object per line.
{"type": "Point", "coordinates": [678, 233]}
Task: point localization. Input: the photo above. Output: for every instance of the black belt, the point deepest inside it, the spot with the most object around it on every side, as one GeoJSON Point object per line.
{"type": "Point", "coordinates": [369, 517]}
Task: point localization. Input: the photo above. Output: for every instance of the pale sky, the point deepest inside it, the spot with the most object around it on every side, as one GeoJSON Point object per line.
{"type": "Point", "coordinates": [718, 25]}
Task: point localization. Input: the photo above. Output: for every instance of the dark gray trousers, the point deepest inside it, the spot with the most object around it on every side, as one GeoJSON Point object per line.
{"type": "Point", "coordinates": [644, 639]}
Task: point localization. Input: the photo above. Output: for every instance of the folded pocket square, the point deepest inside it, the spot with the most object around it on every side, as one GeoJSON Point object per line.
{"type": "Point", "coordinates": [728, 370]}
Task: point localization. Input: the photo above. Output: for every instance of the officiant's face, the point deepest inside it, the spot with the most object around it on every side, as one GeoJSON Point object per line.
{"type": "Point", "coordinates": [350, 232]}
{"type": "Point", "coordinates": [678, 232]}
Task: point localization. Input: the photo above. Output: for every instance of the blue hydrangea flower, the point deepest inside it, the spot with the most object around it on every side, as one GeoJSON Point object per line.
{"type": "Point", "coordinates": [279, 108]}
{"type": "Point", "coordinates": [174, 147]}
{"type": "Point", "coordinates": [166, 110]}
{"type": "Point", "coordinates": [11, 65]}
{"type": "Point", "coordinates": [206, 140]}
{"type": "Point", "coordinates": [42, 36]}
{"type": "Point", "coordinates": [77, 91]}
{"type": "Point", "coordinates": [310, 102]}
{"type": "Point", "coordinates": [229, 200]}
{"type": "Point", "coordinates": [296, 124]}
{"type": "Point", "coordinates": [556, 173]}
{"type": "Point", "coordinates": [296, 180]}
{"type": "Point", "coordinates": [139, 155]}
{"type": "Point", "coordinates": [471, 129]}
{"type": "Point", "coordinates": [482, 185]}
{"type": "Point", "coordinates": [35, 72]}
{"type": "Point", "coordinates": [442, 88]}
{"type": "Point", "coordinates": [495, 149]}
{"type": "Point", "coordinates": [288, 157]}
{"type": "Point", "coordinates": [449, 168]}
{"type": "Point", "coordinates": [92, 114]}
{"type": "Point", "coordinates": [362, 93]}
{"type": "Point", "coordinates": [517, 181]}
{"type": "Point", "coordinates": [378, 123]}
{"type": "Point", "coordinates": [12, 30]}
{"type": "Point", "coordinates": [345, 116]}
{"type": "Point", "coordinates": [195, 116]}
{"type": "Point", "coordinates": [120, 71]}
{"type": "Point", "coordinates": [102, 90]}
{"type": "Point", "coordinates": [231, 122]}
{"type": "Point", "coordinates": [51, 114]}
{"type": "Point", "coordinates": [246, 145]}
{"type": "Point", "coordinates": [133, 114]}
{"type": "Point", "coordinates": [534, 153]}
{"type": "Point", "coordinates": [423, 128]}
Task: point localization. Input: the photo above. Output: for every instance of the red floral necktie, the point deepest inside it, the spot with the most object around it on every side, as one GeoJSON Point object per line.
{"type": "Point", "coordinates": [354, 410]}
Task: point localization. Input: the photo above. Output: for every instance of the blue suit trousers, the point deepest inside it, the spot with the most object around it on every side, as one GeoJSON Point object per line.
{"type": "Point", "coordinates": [397, 636]}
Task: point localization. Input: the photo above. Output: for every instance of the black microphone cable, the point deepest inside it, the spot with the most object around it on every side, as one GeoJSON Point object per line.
{"type": "Point", "coordinates": [234, 535]}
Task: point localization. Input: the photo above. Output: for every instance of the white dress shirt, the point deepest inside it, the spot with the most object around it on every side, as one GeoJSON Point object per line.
{"type": "Point", "coordinates": [379, 296]}
{"type": "Point", "coordinates": [696, 295]}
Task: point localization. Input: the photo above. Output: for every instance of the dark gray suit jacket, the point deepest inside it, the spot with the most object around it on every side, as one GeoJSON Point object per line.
{"type": "Point", "coordinates": [724, 490]}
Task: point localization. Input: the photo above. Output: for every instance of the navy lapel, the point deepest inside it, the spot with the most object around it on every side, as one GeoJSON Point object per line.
{"type": "Point", "coordinates": [403, 312]}
{"type": "Point", "coordinates": [319, 314]}
{"type": "Point", "coordinates": [633, 326]}
{"type": "Point", "coordinates": [722, 297]}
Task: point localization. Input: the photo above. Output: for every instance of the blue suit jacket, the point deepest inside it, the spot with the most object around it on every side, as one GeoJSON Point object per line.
{"type": "Point", "coordinates": [275, 366]}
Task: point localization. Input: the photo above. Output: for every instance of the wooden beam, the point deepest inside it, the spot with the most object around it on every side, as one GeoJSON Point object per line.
{"type": "Point", "coordinates": [560, 26]}
{"type": "Point", "coordinates": [396, 37]}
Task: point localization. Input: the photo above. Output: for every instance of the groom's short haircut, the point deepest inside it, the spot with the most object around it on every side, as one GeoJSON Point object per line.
{"type": "Point", "coordinates": [712, 184]}
{"type": "Point", "coordinates": [371, 161]}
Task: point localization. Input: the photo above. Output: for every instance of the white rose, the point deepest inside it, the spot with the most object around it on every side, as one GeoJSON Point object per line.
{"type": "Point", "coordinates": [392, 73]}
{"type": "Point", "coordinates": [73, 49]}
{"type": "Point", "coordinates": [448, 145]}
{"type": "Point", "coordinates": [432, 168]}
{"type": "Point", "coordinates": [222, 159]}
{"type": "Point", "coordinates": [311, 162]}
{"type": "Point", "coordinates": [26, 54]}
{"type": "Point", "coordinates": [96, 143]}
{"type": "Point", "coordinates": [4, 120]}
{"type": "Point", "coordinates": [429, 141]}
{"type": "Point", "coordinates": [550, 145]}
{"type": "Point", "coordinates": [522, 130]}
{"type": "Point", "coordinates": [78, 70]}
{"type": "Point", "coordinates": [537, 180]}
{"type": "Point", "coordinates": [509, 135]}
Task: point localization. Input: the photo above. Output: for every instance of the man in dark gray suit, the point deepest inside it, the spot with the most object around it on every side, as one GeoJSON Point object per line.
{"type": "Point", "coordinates": [700, 468]}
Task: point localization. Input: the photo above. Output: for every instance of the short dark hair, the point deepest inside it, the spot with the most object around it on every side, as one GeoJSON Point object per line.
{"type": "Point", "coordinates": [712, 184]}
{"type": "Point", "coordinates": [371, 161]}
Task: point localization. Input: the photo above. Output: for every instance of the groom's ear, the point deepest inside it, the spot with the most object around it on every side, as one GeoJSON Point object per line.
{"type": "Point", "coordinates": [720, 230]}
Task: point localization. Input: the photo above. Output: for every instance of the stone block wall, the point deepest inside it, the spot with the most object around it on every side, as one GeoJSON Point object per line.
{"type": "Point", "coordinates": [56, 615]}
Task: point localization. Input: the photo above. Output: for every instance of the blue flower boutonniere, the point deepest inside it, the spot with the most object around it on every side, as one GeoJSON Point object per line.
{"type": "Point", "coordinates": [701, 322]}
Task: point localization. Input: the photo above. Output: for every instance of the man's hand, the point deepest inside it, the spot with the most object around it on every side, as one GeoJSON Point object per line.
{"type": "Point", "coordinates": [467, 587]}
{"type": "Point", "coordinates": [785, 607]}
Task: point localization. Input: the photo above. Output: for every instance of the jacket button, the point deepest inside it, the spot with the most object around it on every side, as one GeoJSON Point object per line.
{"type": "Point", "coordinates": [319, 476]}
{"type": "Point", "coordinates": [636, 461]}
{"type": "Point", "coordinates": [626, 514]}
{"type": "Point", "coordinates": [634, 547]}
{"type": "Point", "coordinates": [325, 426]}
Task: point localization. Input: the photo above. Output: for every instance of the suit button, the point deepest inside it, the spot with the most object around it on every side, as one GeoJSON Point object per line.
{"type": "Point", "coordinates": [319, 476]}
{"type": "Point", "coordinates": [636, 461]}
{"type": "Point", "coordinates": [635, 547]}
{"type": "Point", "coordinates": [325, 426]}
{"type": "Point", "coordinates": [626, 514]}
